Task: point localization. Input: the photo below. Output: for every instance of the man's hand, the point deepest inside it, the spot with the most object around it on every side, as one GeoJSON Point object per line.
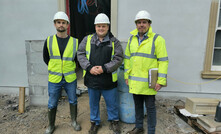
{"type": "Point", "coordinates": [157, 87]}
{"type": "Point", "coordinates": [96, 70]}
{"type": "Point", "coordinates": [99, 69]}
{"type": "Point", "coordinates": [126, 81]}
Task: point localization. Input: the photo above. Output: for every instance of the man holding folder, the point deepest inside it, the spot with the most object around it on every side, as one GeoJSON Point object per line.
{"type": "Point", "coordinates": [145, 51]}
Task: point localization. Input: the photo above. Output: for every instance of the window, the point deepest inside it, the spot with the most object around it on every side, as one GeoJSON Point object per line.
{"type": "Point", "coordinates": [212, 66]}
{"type": "Point", "coordinates": [216, 64]}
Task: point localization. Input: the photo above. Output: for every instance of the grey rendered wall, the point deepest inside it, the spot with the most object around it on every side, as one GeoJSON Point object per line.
{"type": "Point", "coordinates": [21, 20]}
{"type": "Point", "coordinates": [184, 25]}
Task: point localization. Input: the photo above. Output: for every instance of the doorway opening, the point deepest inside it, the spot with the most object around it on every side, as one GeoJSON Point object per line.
{"type": "Point", "coordinates": [82, 14]}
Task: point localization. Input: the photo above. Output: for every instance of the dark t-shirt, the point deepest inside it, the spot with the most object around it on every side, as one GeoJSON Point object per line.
{"type": "Point", "coordinates": [62, 43]}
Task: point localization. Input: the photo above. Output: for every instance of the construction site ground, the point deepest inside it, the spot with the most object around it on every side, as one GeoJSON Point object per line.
{"type": "Point", "coordinates": [34, 120]}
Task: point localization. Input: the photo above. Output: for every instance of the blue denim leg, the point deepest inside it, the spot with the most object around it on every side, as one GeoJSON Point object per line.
{"type": "Point", "coordinates": [151, 113]}
{"type": "Point", "coordinates": [54, 92]}
{"type": "Point", "coordinates": [94, 99]}
{"type": "Point", "coordinates": [110, 97]}
{"type": "Point", "coordinates": [139, 110]}
{"type": "Point", "coordinates": [70, 89]}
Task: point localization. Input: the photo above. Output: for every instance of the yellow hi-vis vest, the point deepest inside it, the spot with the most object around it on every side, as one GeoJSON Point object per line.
{"type": "Point", "coordinates": [151, 53]}
{"type": "Point", "coordinates": [65, 66]}
{"type": "Point", "coordinates": [88, 50]}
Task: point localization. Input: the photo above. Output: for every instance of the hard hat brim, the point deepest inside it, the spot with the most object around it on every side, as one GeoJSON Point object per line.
{"type": "Point", "coordinates": [149, 21]}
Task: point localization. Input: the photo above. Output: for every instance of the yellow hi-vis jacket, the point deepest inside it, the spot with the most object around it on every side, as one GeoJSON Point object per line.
{"type": "Point", "coordinates": [88, 50]}
{"type": "Point", "coordinates": [58, 67]}
{"type": "Point", "coordinates": [140, 58]}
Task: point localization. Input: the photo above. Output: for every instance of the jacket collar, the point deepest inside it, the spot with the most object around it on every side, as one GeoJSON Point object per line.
{"type": "Point", "coordinates": [106, 38]}
{"type": "Point", "coordinates": [95, 40]}
{"type": "Point", "coordinates": [135, 32]}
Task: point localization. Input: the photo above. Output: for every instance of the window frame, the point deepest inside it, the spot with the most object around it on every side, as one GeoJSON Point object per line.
{"type": "Point", "coordinates": [114, 17]}
{"type": "Point", "coordinates": [207, 71]}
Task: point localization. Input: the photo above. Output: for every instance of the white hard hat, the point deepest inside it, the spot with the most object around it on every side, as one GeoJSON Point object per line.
{"type": "Point", "coordinates": [101, 18]}
{"type": "Point", "coordinates": [143, 15]}
{"type": "Point", "coordinates": [61, 16]}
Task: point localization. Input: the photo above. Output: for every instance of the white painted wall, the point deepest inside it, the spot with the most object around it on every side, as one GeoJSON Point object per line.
{"type": "Point", "coordinates": [21, 20]}
{"type": "Point", "coordinates": [184, 25]}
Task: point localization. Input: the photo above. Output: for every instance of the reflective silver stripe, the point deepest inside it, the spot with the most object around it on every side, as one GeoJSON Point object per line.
{"type": "Point", "coordinates": [144, 55]}
{"type": "Point", "coordinates": [162, 75]}
{"type": "Point", "coordinates": [60, 74]}
{"type": "Point", "coordinates": [138, 79]}
{"type": "Point", "coordinates": [153, 44]}
{"type": "Point", "coordinates": [74, 49]}
{"type": "Point", "coordinates": [163, 59]}
{"type": "Point", "coordinates": [72, 72]}
{"type": "Point", "coordinates": [55, 57]}
{"type": "Point", "coordinates": [67, 58]}
{"type": "Point", "coordinates": [87, 52]}
{"type": "Point", "coordinates": [125, 70]}
{"type": "Point", "coordinates": [126, 57]}
{"type": "Point", "coordinates": [130, 42]}
{"type": "Point", "coordinates": [55, 73]}
{"type": "Point", "coordinates": [50, 45]}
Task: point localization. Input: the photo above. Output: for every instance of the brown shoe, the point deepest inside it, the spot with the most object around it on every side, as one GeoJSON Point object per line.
{"type": "Point", "coordinates": [114, 125]}
{"type": "Point", "coordinates": [94, 128]}
{"type": "Point", "coordinates": [136, 131]}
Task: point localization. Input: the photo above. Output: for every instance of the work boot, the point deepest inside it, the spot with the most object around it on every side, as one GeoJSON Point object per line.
{"type": "Point", "coordinates": [114, 125]}
{"type": "Point", "coordinates": [51, 119]}
{"type": "Point", "coordinates": [136, 131]}
{"type": "Point", "coordinates": [73, 111]}
{"type": "Point", "coordinates": [94, 128]}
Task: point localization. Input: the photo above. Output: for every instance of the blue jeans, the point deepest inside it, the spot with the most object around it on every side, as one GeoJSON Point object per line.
{"type": "Point", "coordinates": [54, 92]}
{"type": "Point", "coordinates": [151, 111]}
{"type": "Point", "coordinates": [110, 97]}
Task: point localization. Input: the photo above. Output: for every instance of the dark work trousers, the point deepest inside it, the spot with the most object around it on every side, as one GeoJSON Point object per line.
{"type": "Point", "coordinates": [151, 111]}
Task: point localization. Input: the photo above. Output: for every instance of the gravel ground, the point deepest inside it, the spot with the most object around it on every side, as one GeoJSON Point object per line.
{"type": "Point", "coordinates": [35, 121]}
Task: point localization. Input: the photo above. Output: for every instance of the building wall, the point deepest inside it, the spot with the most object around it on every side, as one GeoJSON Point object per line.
{"type": "Point", "coordinates": [184, 25]}
{"type": "Point", "coordinates": [21, 20]}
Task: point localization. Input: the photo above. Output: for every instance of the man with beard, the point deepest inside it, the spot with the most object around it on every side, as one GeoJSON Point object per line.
{"type": "Point", "coordinates": [100, 54]}
{"type": "Point", "coordinates": [145, 50]}
{"type": "Point", "coordinates": [59, 53]}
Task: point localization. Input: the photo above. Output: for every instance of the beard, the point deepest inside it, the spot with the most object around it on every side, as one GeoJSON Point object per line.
{"type": "Point", "coordinates": [61, 30]}
{"type": "Point", "coordinates": [142, 31]}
